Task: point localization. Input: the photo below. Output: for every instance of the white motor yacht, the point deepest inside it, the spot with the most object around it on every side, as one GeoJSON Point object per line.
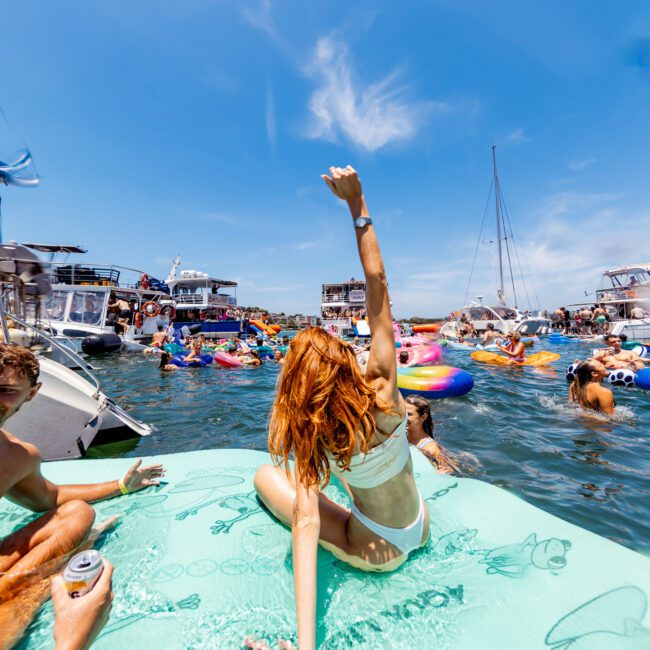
{"type": "Point", "coordinates": [69, 413]}
{"type": "Point", "coordinates": [625, 294]}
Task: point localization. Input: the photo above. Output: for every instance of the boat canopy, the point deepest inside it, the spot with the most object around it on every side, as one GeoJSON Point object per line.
{"type": "Point", "coordinates": [629, 270]}
{"type": "Point", "coordinates": [56, 248]}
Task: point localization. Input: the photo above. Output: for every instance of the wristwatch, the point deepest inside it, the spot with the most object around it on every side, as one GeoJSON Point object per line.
{"type": "Point", "coordinates": [362, 222]}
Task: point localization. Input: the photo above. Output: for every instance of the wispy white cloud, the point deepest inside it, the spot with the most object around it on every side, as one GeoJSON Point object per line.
{"type": "Point", "coordinates": [369, 116]}
{"type": "Point", "coordinates": [517, 136]}
{"type": "Point", "coordinates": [304, 245]}
{"type": "Point", "coordinates": [259, 15]}
{"type": "Point", "coordinates": [579, 164]}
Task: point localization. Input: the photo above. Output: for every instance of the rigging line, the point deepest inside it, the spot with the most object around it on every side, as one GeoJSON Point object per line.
{"type": "Point", "coordinates": [521, 272]}
{"type": "Point", "coordinates": [505, 239]}
{"type": "Point", "coordinates": [512, 275]}
{"type": "Point", "coordinates": [478, 243]}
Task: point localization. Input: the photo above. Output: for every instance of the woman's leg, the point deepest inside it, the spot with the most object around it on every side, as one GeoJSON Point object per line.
{"type": "Point", "coordinates": [340, 533]}
{"type": "Point", "coordinates": [275, 488]}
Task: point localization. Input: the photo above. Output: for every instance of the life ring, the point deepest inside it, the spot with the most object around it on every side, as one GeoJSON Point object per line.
{"type": "Point", "coordinates": [144, 281]}
{"type": "Point", "coordinates": [168, 310]}
{"type": "Point", "coordinates": [150, 309]}
{"type": "Point", "coordinates": [138, 320]}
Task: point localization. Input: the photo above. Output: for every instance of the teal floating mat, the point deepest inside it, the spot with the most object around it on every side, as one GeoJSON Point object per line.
{"type": "Point", "coordinates": [199, 564]}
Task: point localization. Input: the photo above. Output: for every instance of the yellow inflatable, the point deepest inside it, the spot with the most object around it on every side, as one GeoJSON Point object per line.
{"type": "Point", "coordinates": [538, 359]}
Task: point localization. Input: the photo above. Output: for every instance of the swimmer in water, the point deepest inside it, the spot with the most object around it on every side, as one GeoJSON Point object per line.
{"type": "Point", "coordinates": [403, 361]}
{"type": "Point", "coordinates": [515, 350]}
{"type": "Point", "coordinates": [278, 357]}
{"type": "Point", "coordinates": [587, 391]}
{"type": "Point", "coordinates": [419, 430]}
{"type": "Point", "coordinates": [164, 365]}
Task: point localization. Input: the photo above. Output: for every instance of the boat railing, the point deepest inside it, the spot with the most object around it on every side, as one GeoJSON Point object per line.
{"type": "Point", "coordinates": [73, 356]}
{"type": "Point", "coordinates": [189, 299]}
{"type": "Point", "coordinates": [100, 275]}
{"type": "Point", "coordinates": [336, 297]}
{"type": "Point", "coordinates": [622, 293]}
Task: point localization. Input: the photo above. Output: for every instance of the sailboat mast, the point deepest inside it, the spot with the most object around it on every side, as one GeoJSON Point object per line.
{"type": "Point", "coordinates": [497, 195]}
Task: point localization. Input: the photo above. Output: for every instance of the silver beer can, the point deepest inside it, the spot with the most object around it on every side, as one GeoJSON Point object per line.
{"type": "Point", "coordinates": [82, 572]}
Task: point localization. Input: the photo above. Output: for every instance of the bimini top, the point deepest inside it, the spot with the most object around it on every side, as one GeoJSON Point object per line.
{"type": "Point", "coordinates": [56, 248]}
{"type": "Point", "coordinates": [634, 268]}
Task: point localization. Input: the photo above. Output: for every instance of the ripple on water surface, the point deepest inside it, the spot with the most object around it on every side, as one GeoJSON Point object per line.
{"type": "Point", "coordinates": [515, 429]}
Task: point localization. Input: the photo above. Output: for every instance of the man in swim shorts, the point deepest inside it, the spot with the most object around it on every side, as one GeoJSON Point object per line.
{"type": "Point", "coordinates": [160, 338]}
{"type": "Point", "coordinates": [32, 554]}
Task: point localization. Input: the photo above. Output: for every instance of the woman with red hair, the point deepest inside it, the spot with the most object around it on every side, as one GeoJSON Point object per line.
{"type": "Point", "coordinates": [332, 419]}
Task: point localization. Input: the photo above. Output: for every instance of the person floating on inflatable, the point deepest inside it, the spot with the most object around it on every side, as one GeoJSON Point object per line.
{"type": "Point", "coordinates": [613, 357]}
{"type": "Point", "coordinates": [587, 391]}
{"type": "Point", "coordinates": [515, 349]}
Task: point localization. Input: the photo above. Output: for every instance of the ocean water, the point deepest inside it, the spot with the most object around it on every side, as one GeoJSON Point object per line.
{"type": "Point", "coordinates": [515, 430]}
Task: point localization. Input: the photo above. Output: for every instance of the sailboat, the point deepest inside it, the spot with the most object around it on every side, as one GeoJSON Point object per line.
{"type": "Point", "coordinates": [505, 318]}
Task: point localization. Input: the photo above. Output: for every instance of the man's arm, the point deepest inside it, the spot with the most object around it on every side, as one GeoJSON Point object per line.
{"type": "Point", "coordinates": [36, 493]}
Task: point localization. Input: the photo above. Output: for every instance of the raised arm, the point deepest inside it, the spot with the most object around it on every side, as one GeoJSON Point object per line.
{"type": "Point", "coordinates": [382, 366]}
{"type": "Point", "coordinates": [305, 530]}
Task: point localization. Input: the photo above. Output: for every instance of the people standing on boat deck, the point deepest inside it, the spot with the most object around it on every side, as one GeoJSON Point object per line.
{"type": "Point", "coordinates": [333, 420]}
{"type": "Point", "coordinates": [32, 554]}
{"type": "Point", "coordinates": [419, 430]}
{"type": "Point", "coordinates": [586, 316]}
{"type": "Point", "coordinates": [600, 319]}
{"type": "Point", "coordinates": [490, 336]}
{"type": "Point", "coordinates": [120, 309]}
{"type": "Point", "coordinates": [614, 357]}
{"type": "Point", "coordinates": [160, 338]}
{"type": "Point", "coordinates": [515, 349]}
{"type": "Point", "coordinates": [586, 388]}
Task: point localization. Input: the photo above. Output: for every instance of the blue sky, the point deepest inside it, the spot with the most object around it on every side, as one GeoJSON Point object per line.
{"type": "Point", "coordinates": [200, 128]}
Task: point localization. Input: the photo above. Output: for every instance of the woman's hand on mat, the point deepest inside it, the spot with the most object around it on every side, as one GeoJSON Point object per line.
{"type": "Point", "coordinates": [78, 621]}
{"type": "Point", "coordinates": [344, 183]}
{"type": "Point", "coordinates": [138, 478]}
{"type": "Point", "coordinates": [263, 645]}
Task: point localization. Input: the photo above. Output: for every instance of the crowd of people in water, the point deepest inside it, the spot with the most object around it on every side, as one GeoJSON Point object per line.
{"type": "Point", "coordinates": [337, 411]}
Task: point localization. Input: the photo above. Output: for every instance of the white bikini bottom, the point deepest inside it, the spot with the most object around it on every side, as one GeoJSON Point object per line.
{"type": "Point", "coordinates": [405, 539]}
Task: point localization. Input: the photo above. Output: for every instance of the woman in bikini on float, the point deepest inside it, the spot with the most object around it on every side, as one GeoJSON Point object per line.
{"type": "Point", "coordinates": [333, 420]}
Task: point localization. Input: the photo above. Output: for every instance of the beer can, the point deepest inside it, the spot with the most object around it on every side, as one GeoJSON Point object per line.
{"type": "Point", "coordinates": [82, 572]}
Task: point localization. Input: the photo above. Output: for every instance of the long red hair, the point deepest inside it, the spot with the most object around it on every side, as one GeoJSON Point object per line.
{"type": "Point", "coordinates": [323, 406]}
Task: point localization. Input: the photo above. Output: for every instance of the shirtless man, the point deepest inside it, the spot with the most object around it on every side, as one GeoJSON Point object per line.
{"type": "Point", "coordinates": [160, 338]}
{"type": "Point", "coordinates": [490, 335]}
{"type": "Point", "coordinates": [31, 555]}
{"type": "Point", "coordinates": [515, 349]}
{"type": "Point", "coordinates": [614, 357]}
{"type": "Point", "coordinates": [120, 309]}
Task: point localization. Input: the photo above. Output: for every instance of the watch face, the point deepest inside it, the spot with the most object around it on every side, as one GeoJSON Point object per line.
{"type": "Point", "coordinates": [361, 222]}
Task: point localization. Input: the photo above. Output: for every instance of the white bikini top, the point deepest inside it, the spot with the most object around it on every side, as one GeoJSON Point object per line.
{"type": "Point", "coordinates": [380, 464]}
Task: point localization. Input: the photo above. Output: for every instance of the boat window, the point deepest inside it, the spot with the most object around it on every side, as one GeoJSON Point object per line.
{"type": "Point", "coordinates": [87, 307]}
{"type": "Point", "coordinates": [56, 304]}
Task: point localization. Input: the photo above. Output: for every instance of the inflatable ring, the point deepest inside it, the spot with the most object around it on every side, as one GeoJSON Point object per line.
{"type": "Point", "coordinates": [624, 377]}
{"type": "Point", "coordinates": [144, 281]}
{"type": "Point", "coordinates": [168, 310]}
{"type": "Point", "coordinates": [434, 382]}
{"type": "Point", "coordinates": [150, 309]}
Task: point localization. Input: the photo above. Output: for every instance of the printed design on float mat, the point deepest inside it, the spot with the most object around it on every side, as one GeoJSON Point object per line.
{"type": "Point", "coordinates": [510, 560]}
{"type": "Point", "coordinates": [611, 621]}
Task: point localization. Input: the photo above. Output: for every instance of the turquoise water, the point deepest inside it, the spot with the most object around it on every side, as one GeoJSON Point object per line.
{"type": "Point", "coordinates": [515, 430]}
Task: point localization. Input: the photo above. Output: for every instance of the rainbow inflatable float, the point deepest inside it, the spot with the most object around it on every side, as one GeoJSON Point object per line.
{"type": "Point", "coordinates": [434, 382]}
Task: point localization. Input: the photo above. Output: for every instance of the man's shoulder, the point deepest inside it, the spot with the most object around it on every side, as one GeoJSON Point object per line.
{"type": "Point", "coordinates": [16, 450]}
